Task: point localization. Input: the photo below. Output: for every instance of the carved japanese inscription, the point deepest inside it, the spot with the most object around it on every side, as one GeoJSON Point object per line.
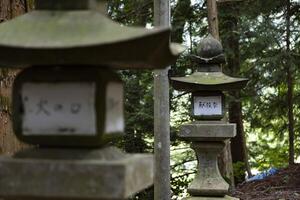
{"type": "Point", "coordinates": [207, 105]}
{"type": "Point", "coordinates": [59, 109]}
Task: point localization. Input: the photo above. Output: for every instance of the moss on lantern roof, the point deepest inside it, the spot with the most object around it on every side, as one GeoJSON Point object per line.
{"type": "Point", "coordinates": [46, 37]}
{"type": "Point", "coordinates": [61, 29]}
{"type": "Point", "coordinates": [208, 81]}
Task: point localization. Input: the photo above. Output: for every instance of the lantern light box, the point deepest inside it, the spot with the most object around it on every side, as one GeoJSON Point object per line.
{"type": "Point", "coordinates": [63, 108]}
{"type": "Point", "coordinates": [67, 106]}
{"type": "Point", "coordinates": [208, 105]}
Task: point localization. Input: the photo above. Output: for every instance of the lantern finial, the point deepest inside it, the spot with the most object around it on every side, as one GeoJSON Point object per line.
{"type": "Point", "coordinates": [209, 51]}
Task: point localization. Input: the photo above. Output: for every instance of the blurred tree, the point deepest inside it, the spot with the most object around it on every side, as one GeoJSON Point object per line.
{"type": "Point", "coordinates": [266, 60]}
{"type": "Point", "coordinates": [290, 84]}
{"type": "Point", "coordinates": [229, 21]}
{"type": "Point", "coordinates": [8, 142]}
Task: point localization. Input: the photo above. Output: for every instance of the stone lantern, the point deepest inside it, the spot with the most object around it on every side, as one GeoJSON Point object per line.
{"type": "Point", "coordinates": [209, 132]}
{"type": "Point", "coordinates": [68, 101]}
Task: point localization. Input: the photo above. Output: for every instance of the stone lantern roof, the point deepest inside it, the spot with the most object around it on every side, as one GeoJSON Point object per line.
{"type": "Point", "coordinates": [209, 75]}
{"type": "Point", "coordinates": [76, 32]}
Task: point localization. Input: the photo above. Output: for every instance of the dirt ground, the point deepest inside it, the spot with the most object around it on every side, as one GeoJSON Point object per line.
{"type": "Point", "coordinates": [284, 185]}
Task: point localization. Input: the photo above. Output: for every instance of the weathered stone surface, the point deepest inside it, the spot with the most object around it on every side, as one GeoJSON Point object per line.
{"type": "Point", "coordinates": [95, 174]}
{"type": "Point", "coordinates": [208, 131]}
{"type": "Point", "coordinates": [82, 37]}
{"type": "Point", "coordinates": [208, 181]}
{"type": "Point", "coordinates": [211, 198]}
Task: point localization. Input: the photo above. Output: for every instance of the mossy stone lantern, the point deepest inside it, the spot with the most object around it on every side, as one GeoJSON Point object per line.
{"type": "Point", "coordinates": [208, 133]}
{"type": "Point", "coordinates": [68, 101]}
{"type": "Point", "coordinates": [208, 83]}
{"type": "Point", "coordinates": [70, 95]}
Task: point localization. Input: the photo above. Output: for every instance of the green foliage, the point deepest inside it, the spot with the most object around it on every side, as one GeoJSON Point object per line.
{"type": "Point", "coordinates": [29, 4]}
{"type": "Point", "coordinates": [239, 171]}
{"type": "Point", "coordinates": [183, 165]}
{"type": "Point", "coordinates": [138, 110]}
{"type": "Point", "coordinates": [264, 59]}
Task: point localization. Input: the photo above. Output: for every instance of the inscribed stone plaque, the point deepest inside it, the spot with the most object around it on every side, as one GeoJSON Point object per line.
{"type": "Point", "coordinates": [207, 105]}
{"type": "Point", "coordinates": [59, 109]}
{"type": "Point", "coordinates": [114, 108]}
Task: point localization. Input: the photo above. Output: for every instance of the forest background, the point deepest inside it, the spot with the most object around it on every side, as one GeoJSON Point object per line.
{"type": "Point", "coordinates": [261, 42]}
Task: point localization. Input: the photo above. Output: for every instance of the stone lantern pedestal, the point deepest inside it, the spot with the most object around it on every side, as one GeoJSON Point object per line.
{"type": "Point", "coordinates": [102, 174]}
{"type": "Point", "coordinates": [208, 141]}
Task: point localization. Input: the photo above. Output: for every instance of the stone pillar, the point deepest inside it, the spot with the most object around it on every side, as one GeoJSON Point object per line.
{"type": "Point", "coordinates": [208, 139]}
{"type": "Point", "coordinates": [208, 181]}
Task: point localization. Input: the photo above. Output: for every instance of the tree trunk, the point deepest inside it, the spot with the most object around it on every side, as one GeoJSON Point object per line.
{"type": "Point", "coordinates": [224, 160]}
{"type": "Point", "coordinates": [238, 144]}
{"type": "Point", "coordinates": [231, 44]}
{"type": "Point", "coordinates": [212, 15]}
{"type": "Point", "coordinates": [8, 142]}
{"type": "Point", "coordinates": [290, 85]}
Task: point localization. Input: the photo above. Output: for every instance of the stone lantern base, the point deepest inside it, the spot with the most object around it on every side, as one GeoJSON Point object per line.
{"type": "Point", "coordinates": [208, 181]}
{"type": "Point", "coordinates": [207, 139]}
{"type": "Point", "coordinates": [102, 174]}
